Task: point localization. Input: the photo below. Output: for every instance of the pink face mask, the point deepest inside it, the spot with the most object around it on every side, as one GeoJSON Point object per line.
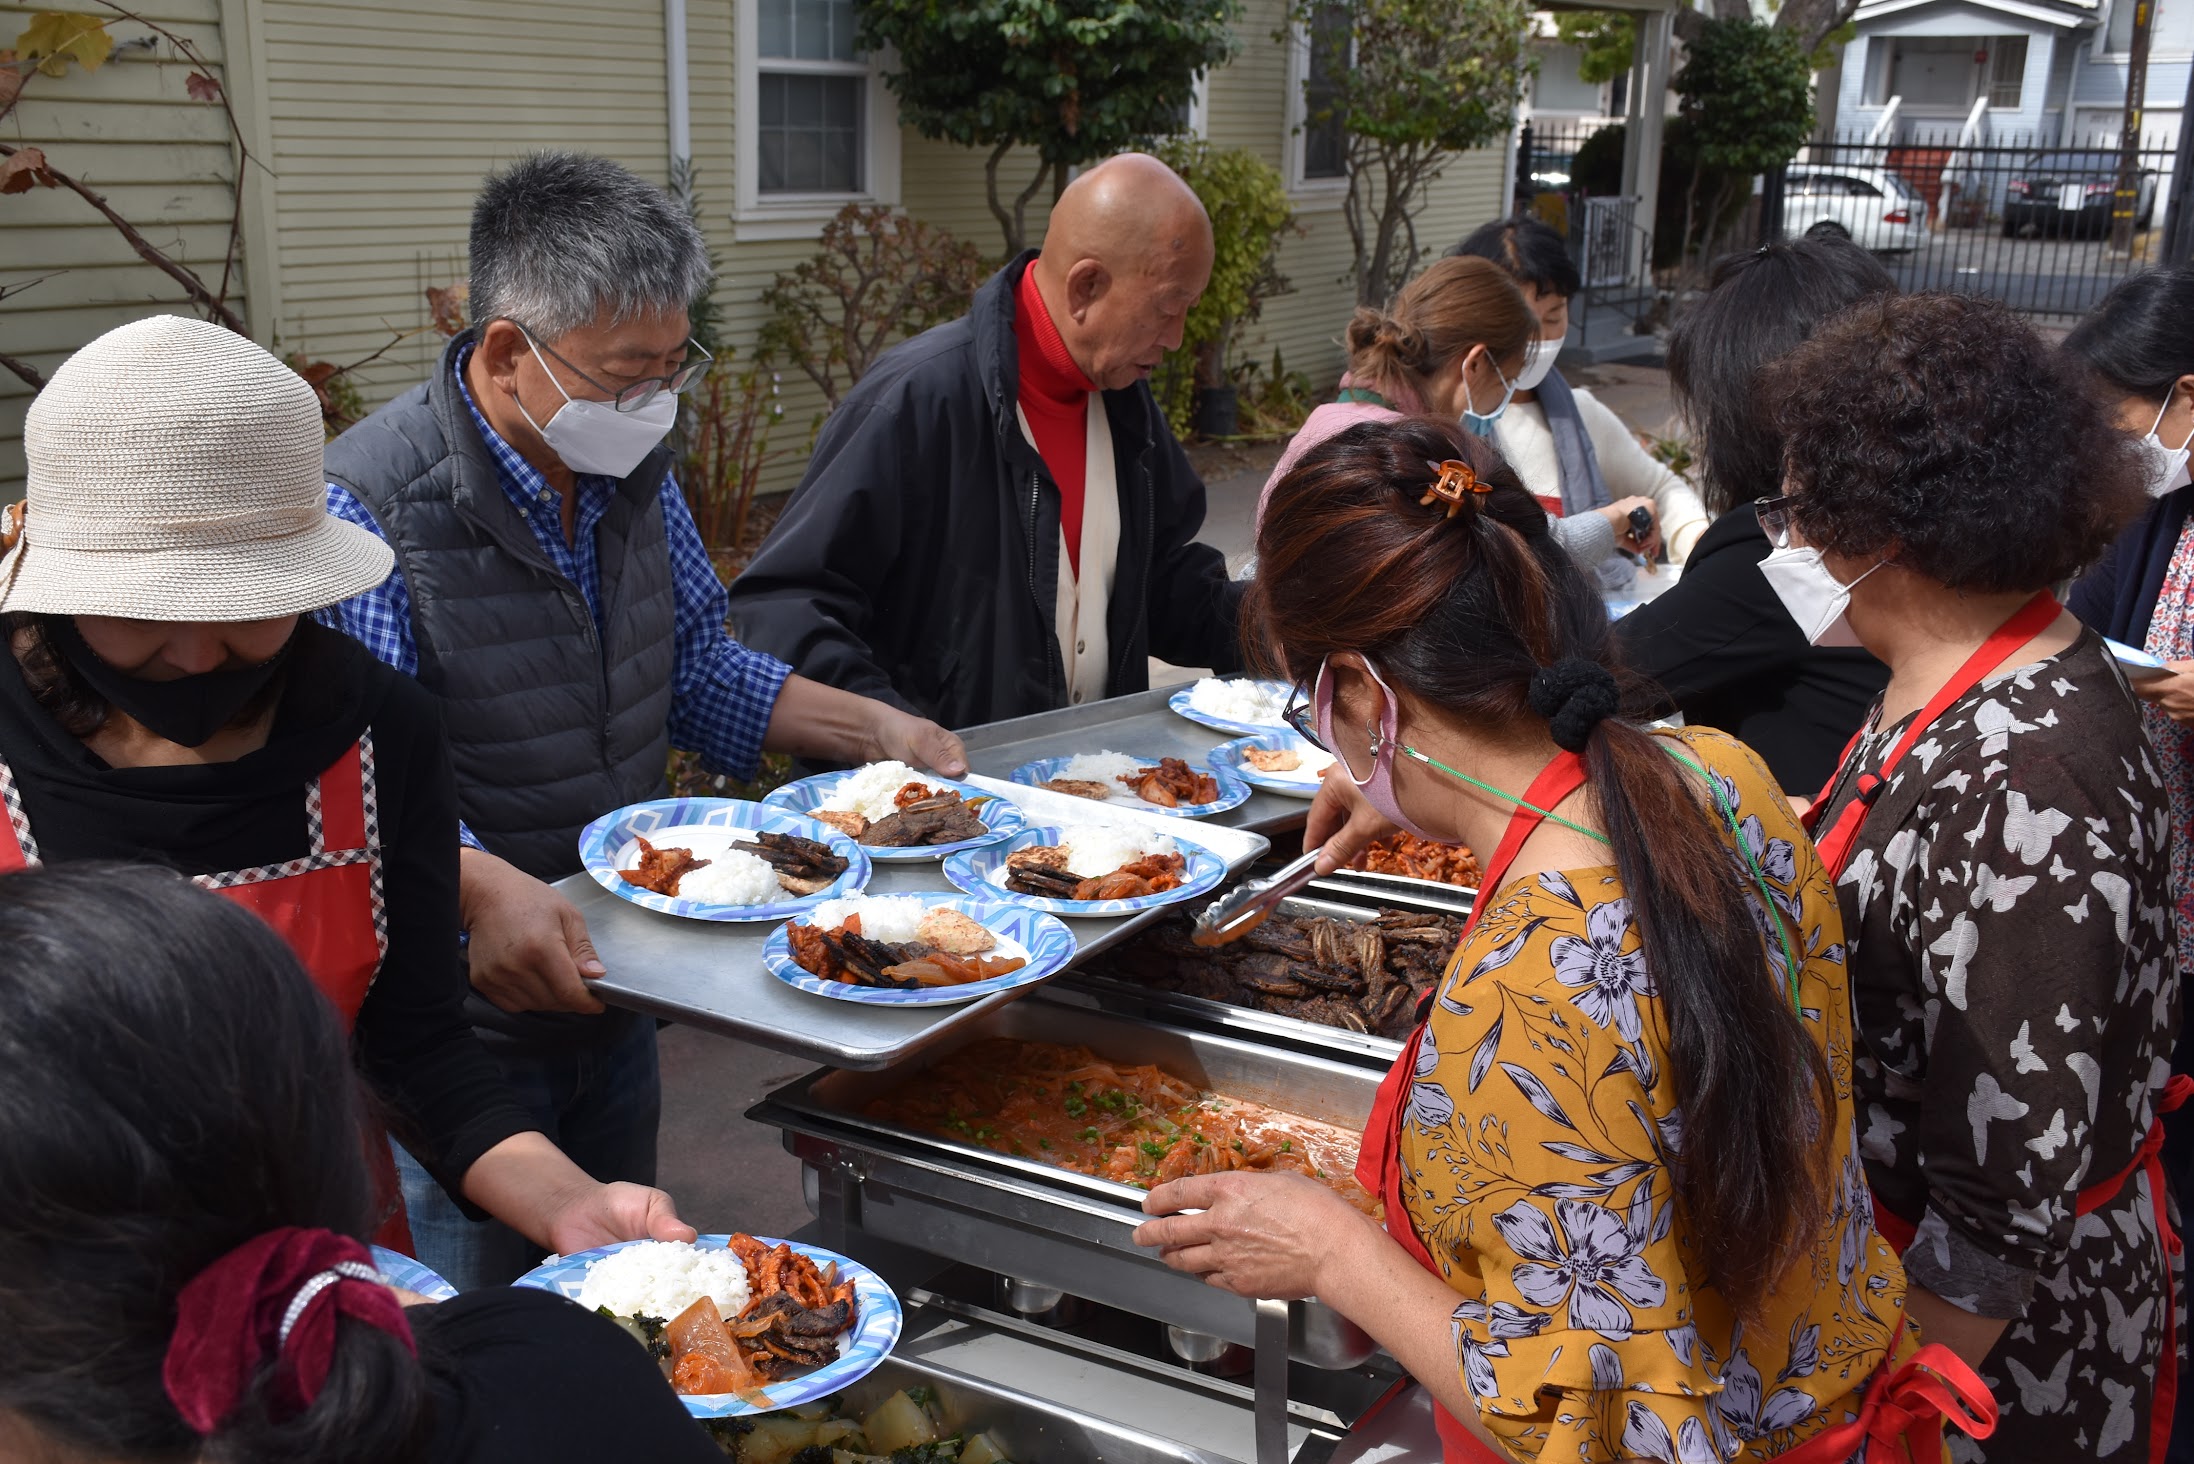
{"type": "Point", "coordinates": [1378, 788]}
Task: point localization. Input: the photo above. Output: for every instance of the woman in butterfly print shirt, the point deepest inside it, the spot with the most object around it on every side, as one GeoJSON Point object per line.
{"type": "Point", "coordinates": [2007, 898]}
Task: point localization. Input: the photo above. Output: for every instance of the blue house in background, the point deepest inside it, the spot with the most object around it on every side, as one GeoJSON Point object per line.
{"type": "Point", "coordinates": [2053, 71]}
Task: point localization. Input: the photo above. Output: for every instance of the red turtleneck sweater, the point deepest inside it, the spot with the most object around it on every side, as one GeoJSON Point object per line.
{"type": "Point", "coordinates": [1054, 396]}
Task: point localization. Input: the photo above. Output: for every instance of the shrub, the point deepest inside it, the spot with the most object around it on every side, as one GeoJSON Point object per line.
{"type": "Point", "coordinates": [1250, 214]}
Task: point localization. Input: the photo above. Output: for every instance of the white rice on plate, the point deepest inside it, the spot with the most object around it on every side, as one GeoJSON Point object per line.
{"type": "Point", "coordinates": [1095, 849]}
{"type": "Point", "coordinates": [1105, 768]}
{"type": "Point", "coordinates": [1237, 699]}
{"type": "Point", "coordinates": [661, 1278]}
{"type": "Point", "coordinates": [888, 918]}
{"type": "Point", "coordinates": [733, 877]}
{"type": "Point", "coordinates": [869, 791]}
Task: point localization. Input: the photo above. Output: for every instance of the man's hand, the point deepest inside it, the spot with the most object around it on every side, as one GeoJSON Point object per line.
{"type": "Point", "coordinates": [1342, 820]}
{"type": "Point", "coordinates": [915, 742]}
{"type": "Point", "coordinates": [2174, 694]}
{"type": "Point", "coordinates": [530, 951]}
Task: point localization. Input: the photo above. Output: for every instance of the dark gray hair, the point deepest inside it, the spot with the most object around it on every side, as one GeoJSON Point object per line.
{"type": "Point", "coordinates": [560, 237]}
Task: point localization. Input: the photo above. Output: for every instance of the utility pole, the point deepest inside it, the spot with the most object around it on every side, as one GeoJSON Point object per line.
{"type": "Point", "coordinates": [2125, 200]}
{"type": "Point", "coordinates": [2178, 244]}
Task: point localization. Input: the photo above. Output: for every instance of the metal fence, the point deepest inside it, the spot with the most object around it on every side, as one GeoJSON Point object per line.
{"type": "Point", "coordinates": [2026, 222]}
{"type": "Point", "coordinates": [2030, 225]}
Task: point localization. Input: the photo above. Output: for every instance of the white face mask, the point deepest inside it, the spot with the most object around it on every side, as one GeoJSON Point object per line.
{"type": "Point", "coordinates": [596, 438]}
{"type": "Point", "coordinates": [2166, 465]}
{"type": "Point", "coordinates": [1815, 598]}
{"type": "Point", "coordinates": [1482, 422]}
{"type": "Point", "coordinates": [1538, 361]}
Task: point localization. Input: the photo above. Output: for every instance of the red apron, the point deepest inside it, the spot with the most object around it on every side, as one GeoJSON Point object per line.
{"type": "Point", "coordinates": [1836, 849]}
{"type": "Point", "coordinates": [1903, 1410]}
{"type": "Point", "coordinates": [327, 905]}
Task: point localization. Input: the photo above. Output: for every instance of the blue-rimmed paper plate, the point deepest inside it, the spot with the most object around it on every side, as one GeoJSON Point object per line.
{"type": "Point", "coordinates": [875, 1330]}
{"type": "Point", "coordinates": [2137, 664]}
{"type": "Point", "coordinates": [1233, 792]}
{"type": "Point", "coordinates": [1302, 783]}
{"type": "Point", "coordinates": [709, 826]}
{"type": "Point", "coordinates": [1031, 935]}
{"type": "Point", "coordinates": [1000, 815]}
{"type": "Point", "coordinates": [981, 872]}
{"type": "Point", "coordinates": [412, 1275]}
{"type": "Point", "coordinates": [1181, 703]}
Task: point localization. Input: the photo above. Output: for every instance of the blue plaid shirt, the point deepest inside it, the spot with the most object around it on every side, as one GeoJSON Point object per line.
{"type": "Point", "coordinates": [722, 694]}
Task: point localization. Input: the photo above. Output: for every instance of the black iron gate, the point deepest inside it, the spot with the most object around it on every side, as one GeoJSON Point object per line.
{"type": "Point", "coordinates": [2026, 224]}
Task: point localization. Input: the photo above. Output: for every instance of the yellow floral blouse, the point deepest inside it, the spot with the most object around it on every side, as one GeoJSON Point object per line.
{"type": "Point", "coordinates": [1535, 1152]}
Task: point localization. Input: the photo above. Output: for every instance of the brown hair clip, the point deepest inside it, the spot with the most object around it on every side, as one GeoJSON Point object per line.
{"type": "Point", "coordinates": [1455, 480]}
{"type": "Point", "coordinates": [12, 519]}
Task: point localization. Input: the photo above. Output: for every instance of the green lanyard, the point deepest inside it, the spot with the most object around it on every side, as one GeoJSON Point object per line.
{"type": "Point", "coordinates": [1729, 817]}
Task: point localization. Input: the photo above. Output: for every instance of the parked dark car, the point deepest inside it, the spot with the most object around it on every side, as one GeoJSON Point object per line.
{"type": "Point", "coordinates": [2066, 195]}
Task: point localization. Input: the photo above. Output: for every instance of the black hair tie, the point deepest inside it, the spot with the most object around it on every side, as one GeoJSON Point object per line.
{"type": "Point", "coordinates": [1574, 695]}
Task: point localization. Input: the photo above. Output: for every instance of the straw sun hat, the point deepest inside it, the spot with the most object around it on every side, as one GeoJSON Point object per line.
{"type": "Point", "coordinates": [175, 475]}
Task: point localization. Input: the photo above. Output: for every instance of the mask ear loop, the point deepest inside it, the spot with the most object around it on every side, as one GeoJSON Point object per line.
{"type": "Point", "coordinates": [1759, 875]}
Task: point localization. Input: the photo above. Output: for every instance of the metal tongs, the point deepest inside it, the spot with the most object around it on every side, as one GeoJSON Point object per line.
{"type": "Point", "coordinates": [1234, 915]}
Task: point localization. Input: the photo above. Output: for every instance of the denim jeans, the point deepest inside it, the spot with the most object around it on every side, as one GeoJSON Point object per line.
{"type": "Point", "coordinates": [600, 1105]}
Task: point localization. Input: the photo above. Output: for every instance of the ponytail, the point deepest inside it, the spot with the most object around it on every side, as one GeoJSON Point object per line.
{"type": "Point", "coordinates": [372, 1407]}
{"type": "Point", "coordinates": [1751, 1163]}
{"type": "Point", "coordinates": [1475, 609]}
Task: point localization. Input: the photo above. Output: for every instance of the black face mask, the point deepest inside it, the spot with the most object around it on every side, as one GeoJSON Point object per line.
{"type": "Point", "coordinates": [188, 710]}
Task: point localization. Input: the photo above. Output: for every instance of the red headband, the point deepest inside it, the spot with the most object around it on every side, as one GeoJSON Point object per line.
{"type": "Point", "coordinates": [277, 1295]}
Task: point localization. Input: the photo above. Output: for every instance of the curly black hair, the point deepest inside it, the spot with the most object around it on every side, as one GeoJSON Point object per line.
{"type": "Point", "coordinates": [1939, 431]}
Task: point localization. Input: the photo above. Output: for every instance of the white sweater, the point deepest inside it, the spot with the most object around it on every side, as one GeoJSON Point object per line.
{"type": "Point", "coordinates": [1629, 470]}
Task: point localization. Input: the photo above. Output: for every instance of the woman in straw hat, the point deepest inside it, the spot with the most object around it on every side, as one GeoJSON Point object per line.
{"type": "Point", "coordinates": [173, 704]}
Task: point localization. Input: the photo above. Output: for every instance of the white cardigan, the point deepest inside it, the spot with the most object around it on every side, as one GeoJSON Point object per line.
{"type": "Point", "coordinates": [1629, 470]}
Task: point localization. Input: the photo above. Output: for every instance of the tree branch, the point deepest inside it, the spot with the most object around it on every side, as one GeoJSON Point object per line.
{"type": "Point", "coordinates": [1020, 205]}
{"type": "Point", "coordinates": [997, 208]}
{"type": "Point", "coordinates": [24, 369]}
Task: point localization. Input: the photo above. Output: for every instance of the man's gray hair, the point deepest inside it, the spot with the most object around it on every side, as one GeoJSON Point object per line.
{"type": "Point", "coordinates": [561, 238]}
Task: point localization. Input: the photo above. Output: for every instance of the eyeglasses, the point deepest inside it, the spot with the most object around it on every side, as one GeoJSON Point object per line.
{"type": "Point", "coordinates": [1303, 721]}
{"type": "Point", "coordinates": [640, 393]}
{"type": "Point", "coordinates": [1775, 515]}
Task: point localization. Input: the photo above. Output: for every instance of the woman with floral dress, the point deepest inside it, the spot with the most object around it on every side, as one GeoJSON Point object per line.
{"type": "Point", "coordinates": [1624, 1214]}
{"type": "Point", "coordinates": [2001, 844]}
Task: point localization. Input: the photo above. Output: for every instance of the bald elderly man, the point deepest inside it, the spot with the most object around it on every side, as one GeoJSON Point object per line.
{"type": "Point", "coordinates": [997, 520]}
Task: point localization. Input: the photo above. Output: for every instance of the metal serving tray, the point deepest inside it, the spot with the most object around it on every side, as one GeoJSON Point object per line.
{"type": "Point", "coordinates": [1052, 1226]}
{"type": "Point", "coordinates": [1248, 1023]}
{"type": "Point", "coordinates": [1026, 1426]}
{"type": "Point", "coordinates": [1142, 725]}
{"type": "Point", "coordinates": [710, 975]}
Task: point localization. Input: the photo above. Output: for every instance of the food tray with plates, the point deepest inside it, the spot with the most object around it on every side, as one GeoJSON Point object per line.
{"type": "Point", "coordinates": [1231, 791]}
{"type": "Point", "coordinates": [1000, 817]}
{"type": "Point", "coordinates": [711, 975]}
{"type": "Point", "coordinates": [712, 830]}
{"type": "Point", "coordinates": [1041, 942]}
{"type": "Point", "coordinates": [1278, 762]}
{"type": "Point", "coordinates": [874, 1333]}
{"type": "Point", "coordinates": [1056, 1227]}
{"type": "Point", "coordinates": [1238, 704]}
{"type": "Point", "coordinates": [1141, 723]}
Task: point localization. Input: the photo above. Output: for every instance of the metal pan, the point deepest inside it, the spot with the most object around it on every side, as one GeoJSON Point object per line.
{"type": "Point", "coordinates": [1050, 1226]}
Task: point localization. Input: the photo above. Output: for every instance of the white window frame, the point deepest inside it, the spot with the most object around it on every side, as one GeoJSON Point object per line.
{"type": "Point", "coordinates": [1296, 151]}
{"type": "Point", "coordinates": [798, 215]}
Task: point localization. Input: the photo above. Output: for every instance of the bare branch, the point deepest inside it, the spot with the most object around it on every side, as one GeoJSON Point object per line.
{"type": "Point", "coordinates": [25, 370]}
{"type": "Point", "coordinates": [149, 252]}
{"type": "Point", "coordinates": [396, 338]}
{"type": "Point", "coordinates": [1020, 204]}
{"type": "Point", "coordinates": [1006, 221]}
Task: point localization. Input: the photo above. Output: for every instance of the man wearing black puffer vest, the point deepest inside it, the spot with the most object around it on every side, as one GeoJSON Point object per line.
{"type": "Point", "coordinates": [997, 520]}
{"type": "Point", "coordinates": [551, 589]}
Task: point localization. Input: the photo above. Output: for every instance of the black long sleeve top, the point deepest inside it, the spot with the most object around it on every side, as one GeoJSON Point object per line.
{"type": "Point", "coordinates": [442, 1092]}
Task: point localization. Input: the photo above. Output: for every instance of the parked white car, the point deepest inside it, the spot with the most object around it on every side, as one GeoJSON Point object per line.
{"type": "Point", "coordinates": [1872, 207]}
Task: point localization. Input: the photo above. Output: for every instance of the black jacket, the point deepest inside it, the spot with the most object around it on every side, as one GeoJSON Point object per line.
{"type": "Point", "coordinates": [2117, 597]}
{"type": "Point", "coordinates": [918, 559]}
{"type": "Point", "coordinates": [1727, 655]}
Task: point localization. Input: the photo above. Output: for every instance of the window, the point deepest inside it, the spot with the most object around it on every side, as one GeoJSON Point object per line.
{"type": "Point", "coordinates": [815, 126]}
{"type": "Point", "coordinates": [2170, 29]}
{"type": "Point", "coordinates": [1316, 143]}
{"type": "Point", "coordinates": [2006, 71]}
